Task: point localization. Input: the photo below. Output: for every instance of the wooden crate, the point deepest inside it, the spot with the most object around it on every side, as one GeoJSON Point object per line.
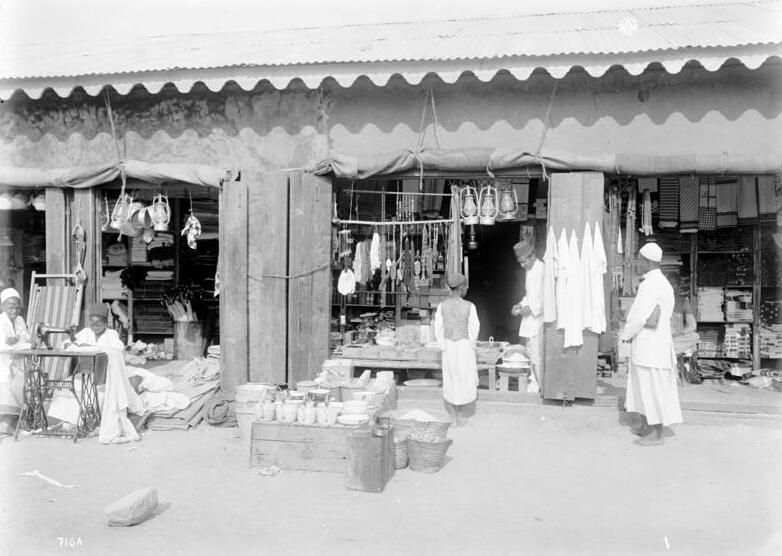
{"type": "Point", "coordinates": [299, 447]}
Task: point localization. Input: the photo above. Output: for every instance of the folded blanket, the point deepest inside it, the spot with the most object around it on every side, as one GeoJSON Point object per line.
{"type": "Point", "coordinates": [707, 205]}
{"type": "Point", "coordinates": [669, 201]}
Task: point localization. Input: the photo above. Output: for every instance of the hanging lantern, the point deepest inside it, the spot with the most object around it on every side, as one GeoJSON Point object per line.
{"type": "Point", "coordinates": [468, 199]}
{"type": "Point", "coordinates": [488, 204]}
{"type": "Point", "coordinates": [472, 242]}
{"type": "Point", "coordinates": [121, 212]}
{"type": "Point", "coordinates": [509, 203]}
{"type": "Point", "coordinates": [161, 213]}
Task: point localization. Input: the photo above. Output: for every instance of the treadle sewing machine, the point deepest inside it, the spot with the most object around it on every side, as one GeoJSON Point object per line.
{"type": "Point", "coordinates": [47, 370]}
{"type": "Point", "coordinates": [42, 335]}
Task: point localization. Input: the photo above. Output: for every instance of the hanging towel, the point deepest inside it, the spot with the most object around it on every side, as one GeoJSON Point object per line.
{"type": "Point", "coordinates": [669, 202]}
{"type": "Point", "coordinates": [688, 204]}
{"type": "Point", "coordinates": [521, 187]}
{"type": "Point", "coordinates": [587, 250]}
{"type": "Point", "coordinates": [727, 202]}
{"type": "Point", "coordinates": [778, 192]}
{"type": "Point", "coordinates": [707, 204]}
{"type": "Point", "coordinates": [561, 286]}
{"type": "Point", "coordinates": [359, 263]}
{"type": "Point", "coordinates": [646, 214]}
{"type": "Point", "coordinates": [374, 253]}
{"type": "Point", "coordinates": [599, 269]}
{"type": "Point", "coordinates": [549, 278]}
{"type": "Point", "coordinates": [647, 184]}
{"type": "Point", "coordinates": [767, 200]}
{"type": "Point", "coordinates": [748, 201]}
{"type": "Point", "coordinates": [574, 325]}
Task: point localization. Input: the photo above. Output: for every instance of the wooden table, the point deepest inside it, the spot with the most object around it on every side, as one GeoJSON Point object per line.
{"type": "Point", "coordinates": [396, 365]}
{"type": "Point", "coordinates": [89, 366]}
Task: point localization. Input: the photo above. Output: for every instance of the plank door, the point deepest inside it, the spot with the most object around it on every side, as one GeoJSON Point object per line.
{"type": "Point", "coordinates": [309, 267]}
{"type": "Point", "coordinates": [574, 199]}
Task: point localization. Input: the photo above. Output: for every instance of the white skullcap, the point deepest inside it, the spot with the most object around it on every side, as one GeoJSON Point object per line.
{"type": "Point", "coordinates": [8, 293]}
{"type": "Point", "coordinates": [651, 252]}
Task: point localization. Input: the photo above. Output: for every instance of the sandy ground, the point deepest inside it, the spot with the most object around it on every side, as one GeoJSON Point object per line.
{"type": "Point", "coordinates": [540, 481]}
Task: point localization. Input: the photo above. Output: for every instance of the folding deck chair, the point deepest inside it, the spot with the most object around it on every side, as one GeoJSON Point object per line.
{"type": "Point", "coordinates": [55, 300]}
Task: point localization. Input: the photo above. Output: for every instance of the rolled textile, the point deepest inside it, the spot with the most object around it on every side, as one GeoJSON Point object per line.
{"type": "Point", "coordinates": [688, 204]}
{"type": "Point", "coordinates": [669, 202]}
{"type": "Point", "coordinates": [748, 200]}
{"type": "Point", "coordinates": [727, 202]}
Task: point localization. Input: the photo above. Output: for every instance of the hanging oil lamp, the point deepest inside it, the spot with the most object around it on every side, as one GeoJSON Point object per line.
{"type": "Point", "coordinates": [488, 204]}
{"type": "Point", "coordinates": [161, 213]}
{"type": "Point", "coordinates": [468, 199]}
{"type": "Point", "coordinates": [121, 212]}
{"type": "Point", "coordinates": [509, 204]}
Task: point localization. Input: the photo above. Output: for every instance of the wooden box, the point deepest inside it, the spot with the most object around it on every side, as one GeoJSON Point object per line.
{"type": "Point", "coordinates": [299, 447]}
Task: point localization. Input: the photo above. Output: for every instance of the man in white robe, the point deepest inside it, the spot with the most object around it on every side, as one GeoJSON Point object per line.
{"type": "Point", "coordinates": [119, 398]}
{"type": "Point", "coordinates": [651, 384]}
{"type": "Point", "coordinates": [13, 335]}
{"type": "Point", "coordinates": [530, 308]}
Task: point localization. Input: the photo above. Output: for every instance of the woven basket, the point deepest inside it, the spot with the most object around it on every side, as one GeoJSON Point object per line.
{"type": "Point", "coordinates": [427, 457]}
{"type": "Point", "coordinates": [405, 427]}
{"type": "Point", "coordinates": [400, 453]}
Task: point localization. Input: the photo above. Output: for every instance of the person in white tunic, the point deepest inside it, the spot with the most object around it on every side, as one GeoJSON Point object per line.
{"type": "Point", "coordinates": [13, 335]}
{"type": "Point", "coordinates": [456, 328]}
{"type": "Point", "coordinates": [531, 307]}
{"type": "Point", "coordinates": [651, 384]}
{"type": "Point", "coordinates": [119, 398]}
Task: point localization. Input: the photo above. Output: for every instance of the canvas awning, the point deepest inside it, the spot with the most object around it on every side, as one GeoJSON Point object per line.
{"type": "Point", "coordinates": [91, 176]}
{"type": "Point", "coordinates": [481, 159]}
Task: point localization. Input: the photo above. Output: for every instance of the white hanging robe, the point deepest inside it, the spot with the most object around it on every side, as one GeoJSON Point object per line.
{"type": "Point", "coordinates": [587, 247]}
{"type": "Point", "coordinates": [561, 285]}
{"type": "Point", "coordinates": [549, 278]}
{"type": "Point", "coordinates": [574, 324]}
{"type": "Point", "coordinates": [599, 268]}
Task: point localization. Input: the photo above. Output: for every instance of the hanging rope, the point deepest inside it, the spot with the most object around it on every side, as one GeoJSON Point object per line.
{"type": "Point", "coordinates": [291, 276]}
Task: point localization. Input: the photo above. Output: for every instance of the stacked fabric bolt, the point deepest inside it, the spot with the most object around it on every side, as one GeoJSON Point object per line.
{"type": "Point", "coordinates": [738, 340]}
{"type": "Point", "coordinates": [738, 305]}
{"type": "Point", "coordinates": [213, 352]}
{"type": "Point", "coordinates": [710, 302]}
{"type": "Point", "coordinates": [111, 286]}
{"type": "Point", "coordinates": [116, 254]}
{"type": "Point", "coordinates": [771, 341]}
{"type": "Point", "coordinates": [710, 344]}
{"type": "Point", "coordinates": [160, 275]}
{"type": "Point", "coordinates": [138, 250]}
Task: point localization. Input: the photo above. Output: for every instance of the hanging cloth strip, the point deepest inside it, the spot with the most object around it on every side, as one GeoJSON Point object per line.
{"type": "Point", "coordinates": [669, 202]}
{"type": "Point", "coordinates": [767, 201]}
{"type": "Point", "coordinates": [688, 204]}
{"type": "Point", "coordinates": [727, 202]}
{"type": "Point", "coordinates": [630, 243]}
{"type": "Point", "coordinates": [646, 214]}
{"type": "Point", "coordinates": [707, 205]}
{"type": "Point", "coordinates": [748, 201]}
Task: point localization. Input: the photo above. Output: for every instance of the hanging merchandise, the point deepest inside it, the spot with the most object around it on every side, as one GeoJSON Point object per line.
{"type": "Point", "coordinates": [374, 253]}
{"type": "Point", "coordinates": [79, 243]}
{"type": "Point", "coordinates": [488, 204]}
{"type": "Point", "coordinates": [587, 248]}
{"type": "Point", "coordinates": [454, 258]}
{"type": "Point", "coordinates": [563, 258]}
{"type": "Point", "coordinates": [106, 216]}
{"type": "Point", "coordinates": [468, 203]}
{"type": "Point", "coordinates": [630, 244]}
{"type": "Point", "coordinates": [161, 213]}
{"type": "Point", "coordinates": [688, 204]}
{"type": "Point", "coordinates": [358, 263]}
{"type": "Point", "coordinates": [39, 202]}
{"type": "Point", "coordinates": [20, 201]}
{"type": "Point", "coordinates": [192, 228]}
{"type": "Point", "coordinates": [549, 277]}
{"type": "Point", "coordinates": [121, 210]}
{"type": "Point", "coordinates": [669, 202]}
{"type": "Point", "coordinates": [5, 201]}
{"type": "Point", "coordinates": [707, 205]}
{"type": "Point", "coordinates": [127, 227]}
{"type": "Point", "coordinates": [599, 268]}
{"type": "Point", "coordinates": [509, 202]}
{"type": "Point", "coordinates": [727, 202]}
{"type": "Point", "coordinates": [574, 325]}
{"type": "Point", "coordinates": [347, 282]}
{"type": "Point", "coordinates": [646, 214]}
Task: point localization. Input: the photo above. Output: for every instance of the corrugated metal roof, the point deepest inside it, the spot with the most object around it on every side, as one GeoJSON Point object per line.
{"type": "Point", "coordinates": [594, 40]}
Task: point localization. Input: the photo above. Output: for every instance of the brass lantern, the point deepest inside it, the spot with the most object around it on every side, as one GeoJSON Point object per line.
{"type": "Point", "coordinates": [468, 200]}
{"type": "Point", "coordinates": [488, 205]}
{"type": "Point", "coordinates": [509, 203]}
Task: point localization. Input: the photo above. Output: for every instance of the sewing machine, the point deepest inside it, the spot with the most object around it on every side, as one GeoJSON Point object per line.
{"type": "Point", "coordinates": [43, 331]}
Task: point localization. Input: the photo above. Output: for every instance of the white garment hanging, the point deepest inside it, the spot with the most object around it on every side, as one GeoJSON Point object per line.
{"type": "Point", "coordinates": [358, 263]}
{"type": "Point", "coordinates": [549, 278]}
{"type": "Point", "coordinates": [374, 253]}
{"type": "Point", "coordinates": [347, 282]}
{"type": "Point", "coordinates": [574, 325]}
{"type": "Point", "coordinates": [561, 289]}
{"type": "Point", "coordinates": [599, 268]}
{"type": "Point", "coordinates": [587, 248]}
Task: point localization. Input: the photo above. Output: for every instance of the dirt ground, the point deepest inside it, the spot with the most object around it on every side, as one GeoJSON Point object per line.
{"type": "Point", "coordinates": [539, 481]}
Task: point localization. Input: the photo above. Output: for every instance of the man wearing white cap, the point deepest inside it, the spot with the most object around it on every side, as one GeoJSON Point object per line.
{"type": "Point", "coordinates": [13, 335]}
{"type": "Point", "coordinates": [531, 307]}
{"type": "Point", "coordinates": [651, 384]}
